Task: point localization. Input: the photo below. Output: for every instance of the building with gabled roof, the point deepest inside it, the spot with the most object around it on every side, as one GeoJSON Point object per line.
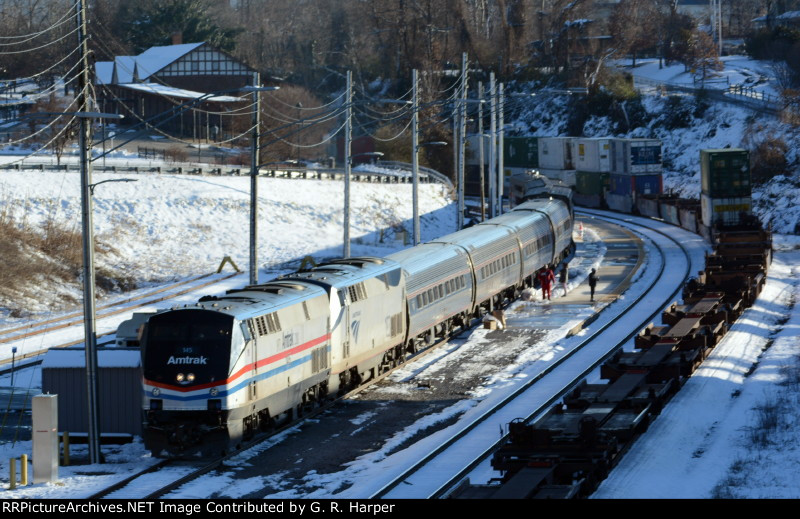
{"type": "Point", "coordinates": [168, 79]}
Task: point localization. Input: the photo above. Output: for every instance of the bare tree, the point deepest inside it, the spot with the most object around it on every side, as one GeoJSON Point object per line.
{"type": "Point", "coordinates": [702, 57]}
{"type": "Point", "coordinates": [57, 131]}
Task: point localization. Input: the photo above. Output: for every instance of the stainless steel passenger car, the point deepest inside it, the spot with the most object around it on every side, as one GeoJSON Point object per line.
{"type": "Point", "coordinates": [439, 289]}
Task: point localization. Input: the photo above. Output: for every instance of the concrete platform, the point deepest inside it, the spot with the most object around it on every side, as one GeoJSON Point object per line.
{"type": "Point", "coordinates": [623, 256]}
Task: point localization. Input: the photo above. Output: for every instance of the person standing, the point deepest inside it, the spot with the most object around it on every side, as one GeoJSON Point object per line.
{"type": "Point", "coordinates": [564, 277]}
{"type": "Point", "coordinates": [545, 280]}
{"type": "Point", "coordinates": [593, 279]}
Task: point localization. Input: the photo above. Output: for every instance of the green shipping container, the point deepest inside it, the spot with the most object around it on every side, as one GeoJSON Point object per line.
{"type": "Point", "coordinates": [591, 183]}
{"type": "Point", "coordinates": [725, 173]}
{"type": "Point", "coordinates": [521, 152]}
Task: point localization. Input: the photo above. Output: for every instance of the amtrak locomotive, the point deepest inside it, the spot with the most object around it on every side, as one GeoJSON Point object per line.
{"type": "Point", "coordinates": [217, 371]}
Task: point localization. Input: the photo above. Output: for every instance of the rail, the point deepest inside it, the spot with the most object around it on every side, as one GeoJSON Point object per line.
{"type": "Point", "coordinates": [474, 460]}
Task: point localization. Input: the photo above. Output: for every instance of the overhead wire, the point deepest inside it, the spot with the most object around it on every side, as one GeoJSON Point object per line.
{"type": "Point", "coordinates": [147, 123]}
{"type": "Point", "coordinates": [23, 51]}
{"type": "Point", "coordinates": [41, 73]}
{"type": "Point", "coordinates": [307, 108]}
{"type": "Point", "coordinates": [52, 88]}
{"type": "Point", "coordinates": [37, 132]}
{"type": "Point", "coordinates": [70, 13]}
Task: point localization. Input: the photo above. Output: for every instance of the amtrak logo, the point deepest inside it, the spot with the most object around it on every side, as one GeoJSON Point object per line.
{"type": "Point", "coordinates": [188, 360]}
{"type": "Point", "coordinates": [354, 327]}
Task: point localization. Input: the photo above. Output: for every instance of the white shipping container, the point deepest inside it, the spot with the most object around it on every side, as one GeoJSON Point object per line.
{"type": "Point", "coordinates": [636, 156]}
{"type": "Point", "coordinates": [592, 154]}
{"type": "Point", "coordinates": [724, 211]}
{"type": "Point", "coordinates": [472, 150]}
{"type": "Point", "coordinates": [556, 153]}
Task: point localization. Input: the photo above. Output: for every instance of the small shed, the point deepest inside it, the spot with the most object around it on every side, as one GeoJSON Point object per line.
{"type": "Point", "coordinates": [119, 388]}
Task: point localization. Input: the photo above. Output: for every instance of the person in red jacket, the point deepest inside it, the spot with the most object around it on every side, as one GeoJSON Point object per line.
{"type": "Point", "coordinates": [546, 279]}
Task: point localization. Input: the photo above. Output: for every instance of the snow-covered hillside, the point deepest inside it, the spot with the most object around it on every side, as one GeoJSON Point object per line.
{"type": "Point", "coordinates": [686, 124]}
{"type": "Point", "coordinates": [165, 227]}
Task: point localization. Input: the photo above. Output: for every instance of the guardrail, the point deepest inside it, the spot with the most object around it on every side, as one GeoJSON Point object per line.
{"type": "Point", "coordinates": [735, 94]}
{"type": "Point", "coordinates": [401, 176]}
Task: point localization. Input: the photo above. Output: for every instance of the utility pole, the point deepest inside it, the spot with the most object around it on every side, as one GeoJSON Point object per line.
{"type": "Point", "coordinates": [481, 139]}
{"type": "Point", "coordinates": [90, 335]}
{"type": "Point", "coordinates": [715, 16]}
{"type": "Point", "coordinates": [254, 160]}
{"type": "Point", "coordinates": [415, 154]}
{"type": "Point", "coordinates": [348, 137]}
{"type": "Point", "coordinates": [500, 165]}
{"type": "Point", "coordinates": [462, 135]}
{"type": "Point", "coordinates": [492, 147]}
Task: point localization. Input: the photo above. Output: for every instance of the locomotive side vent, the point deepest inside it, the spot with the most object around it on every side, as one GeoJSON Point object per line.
{"type": "Point", "coordinates": [319, 360]}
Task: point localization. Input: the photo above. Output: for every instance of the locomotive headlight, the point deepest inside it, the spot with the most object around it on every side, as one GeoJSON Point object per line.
{"type": "Point", "coordinates": [180, 377]}
{"type": "Point", "coordinates": [214, 391]}
{"type": "Point", "coordinates": [190, 377]}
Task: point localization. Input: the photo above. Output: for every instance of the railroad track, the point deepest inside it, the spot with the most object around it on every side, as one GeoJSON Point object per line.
{"type": "Point", "coordinates": [137, 485]}
{"type": "Point", "coordinates": [455, 456]}
{"type": "Point", "coordinates": [41, 328]}
{"type": "Point", "coordinates": [144, 490]}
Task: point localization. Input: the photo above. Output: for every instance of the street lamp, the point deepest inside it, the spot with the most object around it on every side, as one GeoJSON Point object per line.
{"type": "Point", "coordinates": [90, 333]}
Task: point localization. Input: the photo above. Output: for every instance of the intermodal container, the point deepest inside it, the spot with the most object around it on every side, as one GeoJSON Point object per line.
{"type": "Point", "coordinates": [640, 184]}
{"type": "Point", "coordinates": [725, 173]}
{"type": "Point", "coordinates": [555, 153]}
{"type": "Point", "coordinates": [588, 200]}
{"type": "Point", "coordinates": [648, 206]}
{"type": "Point", "coordinates": [620, 203]}
{"type": "Point", "coordinates": [591, 182]}
{"type": "Point", "coordinates": [592, 154]}
{"type": "Point", "coordinates": [669, 212]}
{"type": "Point", "coordinates": [472, 182]}
{"type": "Point", "coordinates": [472, 150]}
{"type": "Point", "coordinates": [688, 216]}
{"type": "Point", "coordinates": [636, 156]}
{"type": "Point", "coordinates": [724, 211]}
{"type": "Point", "coordinates": [521, 152]}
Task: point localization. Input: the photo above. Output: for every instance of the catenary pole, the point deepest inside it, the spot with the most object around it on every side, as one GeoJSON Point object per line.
{"type": "Point", "coordinates": [500, 146]}
{"type": "Point", "coordinates": [492, 147]}
{"type": "Point", "coordinates": [462, 131]}
{"type": "Point", "coordinates": [348, 137]}
{"type": "Point", "coordinates": [254, 160]}
{"type": "Point", "coordinates": [415, 154]}
{"type": "Point", "coordinates": [481, 140]}
{"type": "Point", "coordinates": [90, 334]}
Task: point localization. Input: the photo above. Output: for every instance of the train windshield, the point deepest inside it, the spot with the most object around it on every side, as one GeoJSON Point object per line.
{"type": "Point", "coordinates": [187, 347]}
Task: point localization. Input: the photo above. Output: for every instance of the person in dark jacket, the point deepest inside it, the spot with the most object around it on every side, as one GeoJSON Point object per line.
{"type": "Point", "coordinates": [593, 279]}
{"type": "Point", "coordinates": [564, 277]}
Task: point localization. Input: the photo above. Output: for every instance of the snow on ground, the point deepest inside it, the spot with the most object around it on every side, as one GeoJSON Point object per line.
{"type": "Point", "coordinates": [737, 71]}
{"type": "Point", "coordinates": [712, 439]}
{"type": "Point", "coordinates": [82, 481]}
{"type": "Point", "coordinates": [720, 125]}
{"type": "Point", "coordinates": [164, 227]}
